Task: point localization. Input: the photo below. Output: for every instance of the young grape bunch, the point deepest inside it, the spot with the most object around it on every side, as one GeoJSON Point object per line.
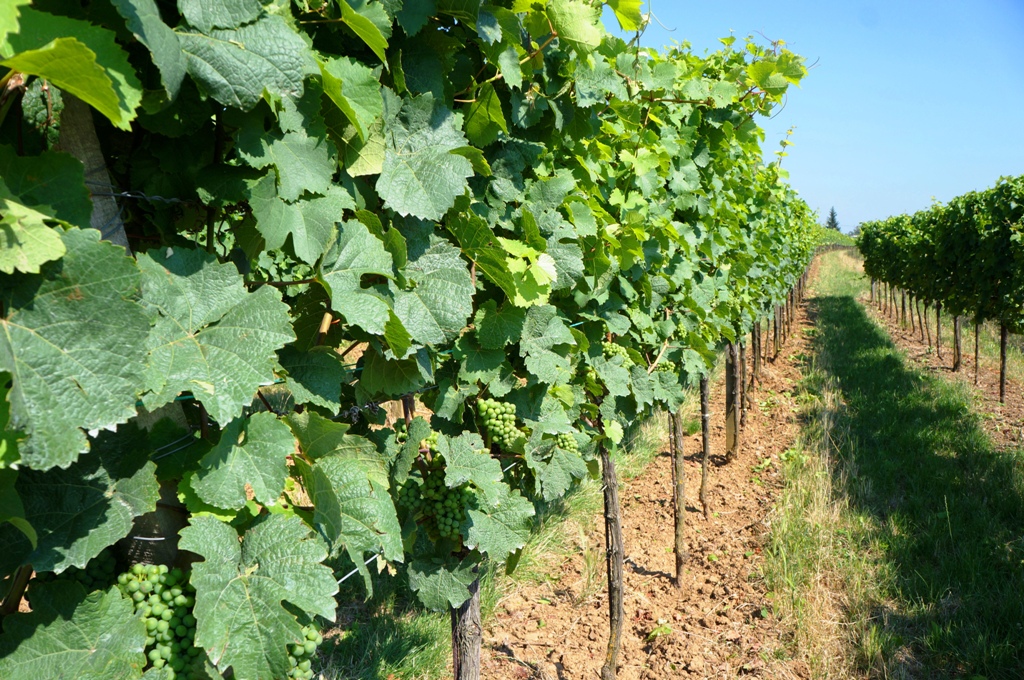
{"type": "Point", "coordinates": [300, 654]}
{"type": "Point", "coordinates": [666, 366]}
{"type": "Point", "coordinates": [610, 350]}
{"type": "Point", "coordinates": [427, 496]}
{"type": "Point", "coordinates": [164, 599]}
{"type": "Point", "coordinates": [500, 421]}
{"type": "Point", "coordinates": [98, 574]}
{"type": "Point", "coordinates": [567, 442]}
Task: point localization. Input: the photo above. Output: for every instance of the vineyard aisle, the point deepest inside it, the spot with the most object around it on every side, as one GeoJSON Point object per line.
{"type": "Point", "coordinates": [901, 522]}
{"type": "Point", "coordinates": [551, 622]}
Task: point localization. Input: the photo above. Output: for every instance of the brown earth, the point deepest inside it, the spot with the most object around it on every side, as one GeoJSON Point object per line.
{"type": "Point", "coordinates": [719, 625]}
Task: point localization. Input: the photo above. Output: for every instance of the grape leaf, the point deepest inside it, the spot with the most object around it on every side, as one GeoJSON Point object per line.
{"type": "Point", "coordinates": [26, 241]}
{"type": "Point", "coordinates": [78, 57]}
{"type": "Point", "coordinates": [241, 588]}
{"type": "Point", "coordinates": [310, 222]}
{"type": "Point", "coordinates": [315, 376]}
{"type": "Point", "coordinates": [319, 437]}
{"type": "Point", "coordinates": [9, 22]}
{"type": "Point", "coordinates": [352, 505]}
{"type": "Point", "coordinates": [577, 22]}
{"type": "Point", "coordinates": [496, 328]}
{"type": "Point", "coordinates": [52, 179]}
{"type": "Point", "coordinates": [235, 66]}
{"type": "Point", "coordinates": [384, 378]}
{"type": "Point", "coordinates": [419, 429]}
{"type": "Point", "coordinates": [466, 461]}
{"type": "Point", "coordinates": [143, 20]}
{"type": "Point", "coordinates": [12, 510]}
{"type": "Point", "coordinates": [501, 525]}
{"type": "Point", "coordinates": [251, 452]}
{"type": "Point", "coordinates": [355, 89]}
{"type": "Point", "coordinates": [79, 511]}
{"type": "Point", "coordinates": [365, 29]}
{"type": "Point", "coordinates": [207, 16]}
{"type": "Point", "coordinates": [56, 344]}
{"type": "Point", "coordinates": [414, 15]}
{"type": "Point", "coordinates": [420, 176]}
{"type": "Point", "coordinates": [442, 584]}
{"type": "Point", "coordinates": [484, 118]}
{"type": "Point", "coordinates": [628, 13]}
{"type": "Point", "coordinates": [440, 300]}
{"type": "Point", "coordinates": [69, 634]}
{"type": "Point", "coordinates": [303, 161]}
{"type": "Point", "coordinates": [357, 253]}
{"type": "Point", "coordinates": [481, 246]}
{"type": "Point", "coordinates": [556, 469]}
{"type": "Point", "coordinates": [544, 337]}
{"type": "Point", "coordinates": [211, 337]}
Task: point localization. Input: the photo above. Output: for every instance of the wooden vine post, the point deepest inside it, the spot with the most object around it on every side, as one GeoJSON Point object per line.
{"type": "Point", "coordinates": [1004, 334]}
{"type": "Point", "coordinates": [938, 329]}
{"type": "Point", "coordinates": [676, 437]}
{"type": "Point", "coordinates": [613, 561]}
{"type": "Point", "coordinates": [705, 426]}
{"type": "Point", "coordinates": [976, 326]}
{"type": "Point", "coordinates": [732, 407]}
{"type": "Point", "coordinates": [957, 345]}
{"type": "Point", "coordinates": [744, 397]}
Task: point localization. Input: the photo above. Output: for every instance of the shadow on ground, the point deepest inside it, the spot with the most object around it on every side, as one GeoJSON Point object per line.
{"type": "Point", "coordinates": [945, 510]}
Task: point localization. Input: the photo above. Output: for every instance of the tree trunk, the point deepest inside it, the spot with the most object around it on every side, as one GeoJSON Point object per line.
{"type": "Point", "coordinates": [78, 138]}
{"type": "Point", "coordinates": [938, 329]}
{"type": "Point", "coordinates": [743, 386]}
{"type": "Point", "coordinates": [920, 320]}
{"type": "Point", "coordinates": [613, 561]}
{"type": "Point", "coordinates": [976, 326]}
{"type": "Point", "coordinates": [927, 330]}
{"type": "Point", "coordinates": [903, 307]}
{"type": "Point", "coordinates": [732, 416]}
{"type": "Point", "coordinates": [777, 331]}
{"type": "Point", "coordinates": [1004, 334]}
{"type": "Point", "coordinates": [755, 352]}
{"type": "Point", "coordinates": [872, 293]}
{"type": "Point", "coordinates": [679, 493]}
{"type": "Point", "coordinates": [705, 422]}
{"type": "Point", "coordinates": [913, 324]}
{"type": "Point", "coordinates": [957, 347]}
{"type": "Point", "coordinates": [467, 634]}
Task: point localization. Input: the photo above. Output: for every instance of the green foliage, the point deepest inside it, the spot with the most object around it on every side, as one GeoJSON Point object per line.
{"type": "Point", "coordinates": [965, 255]}
{"type": "Point", "coordinates": [337, 204]}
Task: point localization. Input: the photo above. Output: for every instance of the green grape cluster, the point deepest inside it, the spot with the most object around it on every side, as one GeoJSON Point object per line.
{"type": "Point", "coordinates": [98, 574]}
{"type": "Point", "coordinates": [666, 365]}
{"type": "Point", "coordinates": [427, 496]}
{"type": "Point", "coordinates": [300, 654]}
{"type": "Point", "coordinates": [567, 442]}
{"type": "Point", "coordinates": [610, 349]}
{"type": "Point", "coordinates": [402, 436]}
{"type": "Point", "coordinates": [164, 599]}
{"type": "Point", "coordinates": [500, 421]}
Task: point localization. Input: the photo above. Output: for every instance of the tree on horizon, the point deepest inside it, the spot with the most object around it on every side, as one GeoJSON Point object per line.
{"type": "Point", "coordinates": [833, 222]}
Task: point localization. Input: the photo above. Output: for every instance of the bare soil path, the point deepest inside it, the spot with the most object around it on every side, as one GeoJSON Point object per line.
{"type": "Point", "coordinates": [719, 625]}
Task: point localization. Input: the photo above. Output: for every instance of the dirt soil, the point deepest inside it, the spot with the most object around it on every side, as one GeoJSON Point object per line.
{"type": "Point", "coordinates": [719, 625]}
{"type": "Point", "coordinates": [1004, 423]}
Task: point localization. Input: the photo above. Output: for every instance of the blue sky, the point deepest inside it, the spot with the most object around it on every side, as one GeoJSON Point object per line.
{"type": "Point", "coordinates": [908, 100]}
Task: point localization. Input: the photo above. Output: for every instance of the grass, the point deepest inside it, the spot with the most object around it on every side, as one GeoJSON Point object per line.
{"type": "Point", "coordinates": [390, 637]}
{"type": "Point", "coordinates": [897, 548]}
